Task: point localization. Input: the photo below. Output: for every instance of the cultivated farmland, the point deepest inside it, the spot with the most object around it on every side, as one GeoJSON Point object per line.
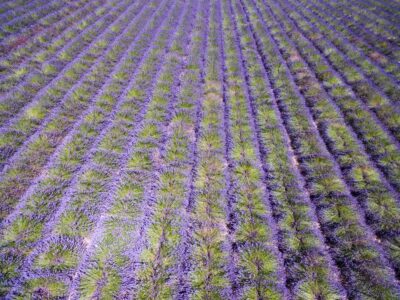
{"type": "Point", "coordinates": [200, 149]}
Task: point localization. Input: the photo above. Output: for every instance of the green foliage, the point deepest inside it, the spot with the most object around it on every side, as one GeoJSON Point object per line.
{"type": "Point", "coordinates": [59, 257]}
{"type": "Point", "coordinates": [71, 225]}
{"type": "Point", "coordinates": [48, 69]}
{"type": "Point", "coordinates": [45, 288]}
{"type": "Point", "coordinates": [21, 231]}
{"type": "Point", "coordinates": [99, 281]}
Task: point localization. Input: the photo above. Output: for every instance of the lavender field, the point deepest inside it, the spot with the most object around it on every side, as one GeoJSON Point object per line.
{"type": "Point", "coordinates": [200, 149]}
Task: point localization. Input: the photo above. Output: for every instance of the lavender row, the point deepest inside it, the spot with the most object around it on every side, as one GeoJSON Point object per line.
{"type": "Point", "coordinates": [380, 50]}
{"type": "Point", "coordinates": [379, 105]}
{"type": "Point", "coordinates": [16, 40]}
{"type": "Point", "coordinates": [371, 22]}
{"type": "Point", "coordinates": [64, 220]}
{"type": "Point", "coordinates": [379, 145]}
{"type": "Point", "coordinates": [90, 211]}
{"type": "Point", "coordinates": [382, 44]}
{"type": "Point", "coordinates": [253, 228]}
{"type": "Point", "coordinates": [41, 109]}
{"type": "Point", "coordinates": [161, 273]}
{"type": "Point", "coordinates": [384, 14]}
{"type": "Point", "coordinates": [46, 74]}
{"type": "Point", "coordinates": [30, 18]}
{"type": "Point", "coordinates": [388, 10]}
{"type": "Point", "coordinates": [360, 67]}
{"type": "Point", "coordinates": [73, 152]}
{"type": "Point", "coordinates": [374, 20]}
{"type": "Point", "coordinates": [5, 6]}
{"type": "Point", "coordinates": [38, 47]}
{"type": "Point", "coordinates": [309, 268]}
{"type": "Point", "coordinates": [15, 12]}
{"type": "Point", "coordinates": [377, 51]}
{"type": "Point", "coordinates": [130, 192]}
{"type": "Point", "coordinates": [128, 49]}
{"type": "Point", "coordinates": [377, 56]}
{"type": "Point", "coordinates": [207, 243]}
{"type": "Point", "coordinates": [15, 50]}
{"type": "Point", "coordinates": [31, 15]}
{"type": "Point", "coordinates": [28, 163]}
{"type": "Point", "coordinates": [356, 253]}
{"type": "Point", "coordinates": [385, 111]}
{"type": "Point", "coordinates": [368, 187]}
{"type": "Point", "coordinates": [43, 73]}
